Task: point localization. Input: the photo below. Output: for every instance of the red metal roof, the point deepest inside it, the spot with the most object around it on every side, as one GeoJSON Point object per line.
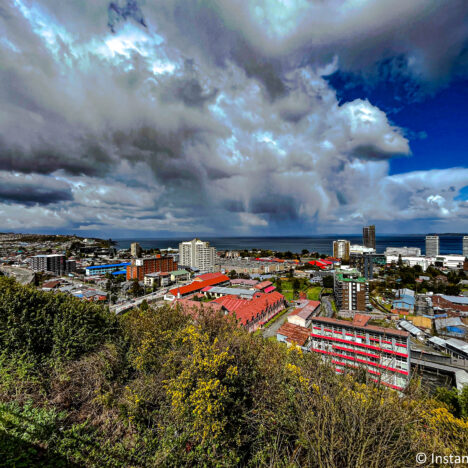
{"type": "Point", "coordinates": [256, 306]}
{"type": "Point", "coordinates": [198, 285]}
{"type": "Point", "coordinates": [294, 333]}
{"type": "Point", "coordinates": [231, 302]}
{"type": "Point", "coordinates": [208, 276]}
{"type": "Point", "coordinates": [269, 289]}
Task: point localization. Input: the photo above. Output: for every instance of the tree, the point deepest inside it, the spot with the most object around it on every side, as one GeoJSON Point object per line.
{"type": "Point", "coordinates": [328, 282]}
{"type": "Point", "coordinates": [135, 289]}
{"type": "Point", "coordinates": [144, 305]}
{"type": "Point", "coordinates": [304, 252]}
{"type": "Point", "coordinates": [279, 286]}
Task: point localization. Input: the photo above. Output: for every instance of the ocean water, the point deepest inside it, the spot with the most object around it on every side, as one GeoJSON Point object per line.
{"type": "Point", "coordinates": [322, 244]}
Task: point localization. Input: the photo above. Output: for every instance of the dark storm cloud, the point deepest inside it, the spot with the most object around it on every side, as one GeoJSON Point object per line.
{"type": "Point", "coordinates": [119, 13]}
{"type": "Point", "coordinates": [209, 115]}
{"type": "Point", "coordinates": [18, 189]}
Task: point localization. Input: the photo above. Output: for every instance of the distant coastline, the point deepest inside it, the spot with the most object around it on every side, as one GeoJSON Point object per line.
{"type": "Point", "coordinates": [449, 244]}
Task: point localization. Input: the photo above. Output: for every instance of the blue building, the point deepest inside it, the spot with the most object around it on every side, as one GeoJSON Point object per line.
{"type": "Point", "coordinates": [103, 269]}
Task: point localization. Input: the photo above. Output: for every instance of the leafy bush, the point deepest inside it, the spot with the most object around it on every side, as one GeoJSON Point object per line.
{"type": "Point", "coordinates": [158, 388]}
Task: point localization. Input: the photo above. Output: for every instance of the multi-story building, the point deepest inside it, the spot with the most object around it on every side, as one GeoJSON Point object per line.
{"type": "Point", "coordinates": [432, 246]}
{"type": "Point", "coordinates": [135, 250]}
{"type": "Point", "coordinates": [104, 269]}
{"type": "Point", "coordinates": [403, 251]}
{"type": "Point", "coordinates": [423, 262]}
{"type": "Point", "coordinates": [368, 236]}
{"type": "Point", "coordinates": [54, 263]}
{"type": "Point", "coordinates": [139, 267]}
{"type": "Point", "coordinates": [360, 249]}
{"type": "Point", "coordinates": [384, 353]}
{"type": "Point", "coordinates": [365, 263]}
{"type": "Point", "coordinates": [197, 255]}
{"type": "Point", "coordinates": [351, 290]}
{"type": "Point", "coordinates": [70, 266]}
{"type": "Point", "coordinates": [341, 249]}
{"type": "Point", "coordinates": [465, 246]}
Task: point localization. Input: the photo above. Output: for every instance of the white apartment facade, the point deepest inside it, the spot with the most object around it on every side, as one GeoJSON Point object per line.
{"type": "Point", "coordinates": [197, 254]}
{"type": "Point", "coordinates": [432, 246]}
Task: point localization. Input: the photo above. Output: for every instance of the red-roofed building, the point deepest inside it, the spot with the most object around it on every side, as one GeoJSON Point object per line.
{"type": "Point", "coordinates": [303, 315]}
{"type": "Point", "coordinates": [383, 352]}
{"type": "Point", "coordinates": [196, 286]}
{"type": "Point", "coordinates": [231, 302]}
{"type": "Point", "coordinates": [259, 310]}
{"type": "Point", "coordinates": [264, 284]}
{"type": "Point", "coordinates": [193, 308]}
{"type": "Point", "coordinates": [290, 333]}
{"type": "Point", "coordinates": [319, 263]}
{"type": "Point", "coordinates": [208, 276]}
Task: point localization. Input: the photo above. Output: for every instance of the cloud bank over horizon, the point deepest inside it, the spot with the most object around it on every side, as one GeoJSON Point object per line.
{"type": "Point", "coordinates": [217, 117]}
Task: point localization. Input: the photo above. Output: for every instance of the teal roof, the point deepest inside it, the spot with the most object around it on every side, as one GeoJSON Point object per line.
{"type": "Point", "coordinates": [179, 272]}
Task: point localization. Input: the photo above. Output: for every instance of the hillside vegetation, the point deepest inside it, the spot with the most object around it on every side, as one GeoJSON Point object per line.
{"type": "Point", "coordinates": [80, 387]}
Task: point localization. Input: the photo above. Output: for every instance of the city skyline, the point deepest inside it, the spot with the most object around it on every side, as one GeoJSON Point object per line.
{"type": "Point", "coordinates": [214, 119]}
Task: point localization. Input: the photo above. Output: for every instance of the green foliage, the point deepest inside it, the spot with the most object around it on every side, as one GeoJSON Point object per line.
{"type": "Point", "coordinates": [44, 326]}
{"type": "Point", "coordinates": [328, 281]}
{"type": "Point", "coordinates": [157, 387]}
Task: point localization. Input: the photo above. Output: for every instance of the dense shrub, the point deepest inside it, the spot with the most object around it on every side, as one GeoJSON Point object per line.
{"type": "Point", "coordinates": [156, 388]}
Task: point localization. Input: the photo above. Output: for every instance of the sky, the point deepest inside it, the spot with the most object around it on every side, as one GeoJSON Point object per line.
{"type": "Point", "coordinates": [233, 117]}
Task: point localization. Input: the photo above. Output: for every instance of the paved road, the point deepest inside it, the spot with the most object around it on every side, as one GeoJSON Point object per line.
{"type": "Point", "coordinates": [327, 307]}
{"type": "Point", "coordinates": [119, 308]}
{"type": "Point", "coordinates": [274, 327]}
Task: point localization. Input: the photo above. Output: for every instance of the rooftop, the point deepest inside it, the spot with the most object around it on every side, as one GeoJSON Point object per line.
{"type": "Point", "coordinates": [113, 265]}
{"type": "Point", "coordinates": [345, 323]}
{"type": "Point", "coordinates": [294, 333]}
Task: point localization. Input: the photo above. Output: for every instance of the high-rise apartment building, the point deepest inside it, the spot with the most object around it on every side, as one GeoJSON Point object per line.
{"type": "Point", "coordinates": [197, 254]}
{"type": "Point", "coordinates": [351, 290]}
{"type": "Point", "coordinates": [140, 267]}
{"type": "Point", "coordinates": [368, 236]}
{"type": "Point", "coordinates": [55, 263]}
{"type": "Point", "coordinates": [465, 246]}
{"type": "Point", "coordinates": [341, 249]}
{"type": "Point", "coordinates": [135, 250]}
{"type": "Point", "coordinates": [432, 246]}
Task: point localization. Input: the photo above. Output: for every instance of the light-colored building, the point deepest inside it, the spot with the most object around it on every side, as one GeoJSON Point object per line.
{"type": "Point", "coordinates": [179, 276]}
{"type": "Point", "coordinates": [360, 249]}
{"type": "Point", "coordinates": [135, 250]}
{"type": "Point", "coordinates": [197, 254]}
{"type": "Point", "coordinates": [432, 246]}
{"type": "Point", "coordinates": [351, 290]}
{"type": "Point", "coordinates": [465, 246]}
{"type": "Point", "coordinates": [341, 249]}
{"type": "Point", "coordinates": [411, 261]}
{"type": "Point", "coordinates": [403, 251]}
{"type": "Point", "coordinates": [450, 261]}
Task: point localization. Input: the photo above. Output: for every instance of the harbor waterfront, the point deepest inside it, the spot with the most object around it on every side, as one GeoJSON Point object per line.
{"type": "Point", "coordinates": [322, 244]}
